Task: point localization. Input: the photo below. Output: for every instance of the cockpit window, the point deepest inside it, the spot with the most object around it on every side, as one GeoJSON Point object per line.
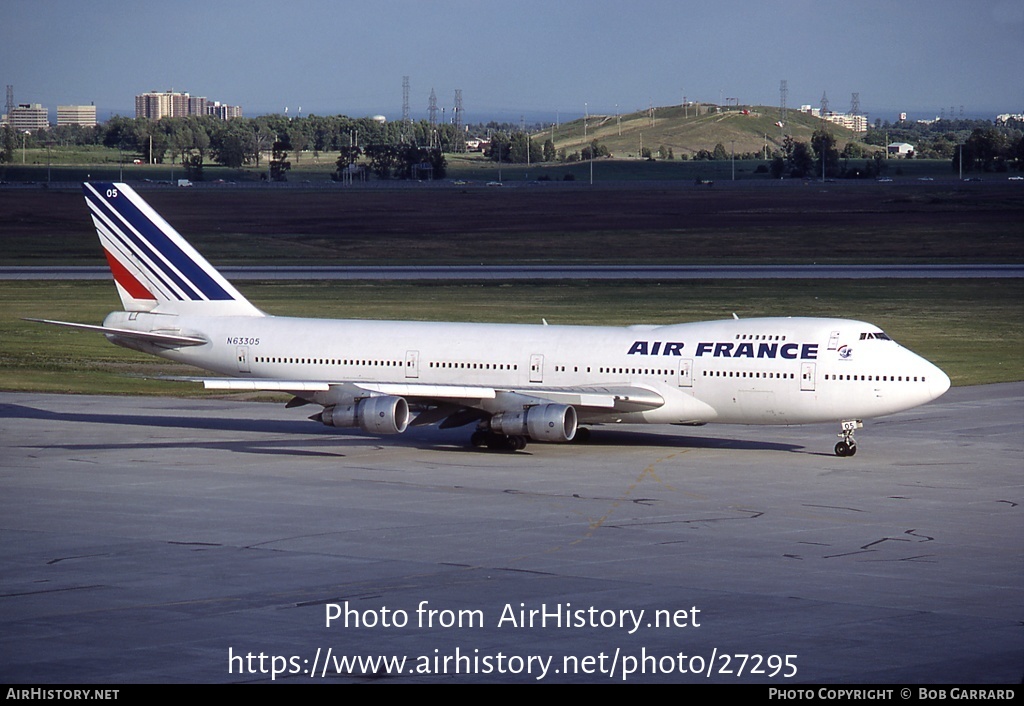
{"type": "Point", "coordinates": [875, 335]}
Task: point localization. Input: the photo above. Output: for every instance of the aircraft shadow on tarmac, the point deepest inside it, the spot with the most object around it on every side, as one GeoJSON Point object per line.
{"type": "Point", "coordinates": [615, 437]}
{"type": "Point", "coordinates": [306, 434]}
{"type": "Point", "coordinates": [300, 430]}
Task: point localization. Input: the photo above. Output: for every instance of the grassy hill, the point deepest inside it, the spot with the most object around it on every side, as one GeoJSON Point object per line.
{"type": "Point", "coordinates": [686, 131]}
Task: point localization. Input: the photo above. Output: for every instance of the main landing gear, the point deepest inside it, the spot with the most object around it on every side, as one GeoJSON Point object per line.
{"type": "Point", "coordinates": [500, 442]}
{"type": "Point", "coordinates": [848, 445]}
{"type": "Point", "coordinates": [497, 442]}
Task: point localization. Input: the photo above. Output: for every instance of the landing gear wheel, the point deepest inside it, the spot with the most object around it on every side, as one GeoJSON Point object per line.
{"type": "Point", "coordinates": [848, 445]}
{"type": "Point", "coordinates": [844, 448]}
{"type": "Point", "coordinates": [478, 438]}
{"type": "Point", "coordinates": [500, 442]}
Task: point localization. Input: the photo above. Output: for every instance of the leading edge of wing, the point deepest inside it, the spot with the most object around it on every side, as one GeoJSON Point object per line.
{"type": "Point", "coordinates": [621, 399]}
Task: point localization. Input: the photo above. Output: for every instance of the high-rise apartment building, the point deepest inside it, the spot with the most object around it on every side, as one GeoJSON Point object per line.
{"type": "Point", "coordinates": [155, 105]}
{"type": "Point", "coordinates": [169, 104]}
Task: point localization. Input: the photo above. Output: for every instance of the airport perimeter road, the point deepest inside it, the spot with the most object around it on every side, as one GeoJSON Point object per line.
{"type": "Point", "coordinates": [164, 540]}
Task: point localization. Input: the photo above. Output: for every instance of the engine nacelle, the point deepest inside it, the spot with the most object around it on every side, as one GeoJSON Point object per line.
{"type": "Point", "coordinates": [548, 422]}
{"type": "Point", "coordinates": [375, 415]}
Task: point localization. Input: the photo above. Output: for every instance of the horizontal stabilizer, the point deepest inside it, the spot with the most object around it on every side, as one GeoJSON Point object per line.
{"type": "Point", "coordinates": [167, 339]}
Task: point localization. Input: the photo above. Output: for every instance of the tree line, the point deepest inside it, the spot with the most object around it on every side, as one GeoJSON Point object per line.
{"type": "Point", "coordinates": [408, 149]}
{"type": "Point", "coordinates": [197, 140]}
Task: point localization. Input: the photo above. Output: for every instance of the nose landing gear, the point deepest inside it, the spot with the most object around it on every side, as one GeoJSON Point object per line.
{"type": "Point", "coordinates": [848, 445]}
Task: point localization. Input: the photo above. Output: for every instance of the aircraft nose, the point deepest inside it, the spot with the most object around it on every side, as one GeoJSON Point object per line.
{"type": "Point", "coordinates": [938, 382]}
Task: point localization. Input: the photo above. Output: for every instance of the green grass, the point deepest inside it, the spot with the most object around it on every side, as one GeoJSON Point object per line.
{"type": "Point", "coordinates": [84, 163]}
{"type": "Point", "coordinates": [973, 329]}
{"type": "Point", "coordinates": [68, 155]}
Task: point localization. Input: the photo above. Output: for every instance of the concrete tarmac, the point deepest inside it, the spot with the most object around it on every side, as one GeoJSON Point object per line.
{"type": "Point", "coordinates": [163, 540]}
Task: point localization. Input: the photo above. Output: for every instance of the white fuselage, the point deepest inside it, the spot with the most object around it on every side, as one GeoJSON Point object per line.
{"type": "Point", "coordinates": [745, 371]}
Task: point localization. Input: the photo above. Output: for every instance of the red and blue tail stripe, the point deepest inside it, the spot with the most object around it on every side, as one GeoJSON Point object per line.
{"type": "Point", "coordinates": [138, 234]}
{"type": "Point", "coordinates": [152, 264]}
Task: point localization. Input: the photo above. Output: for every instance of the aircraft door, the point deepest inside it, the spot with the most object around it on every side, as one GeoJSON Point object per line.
{"type": "Point", "coordinates": [242, 356]}
{"type": "Point", "coordinates": [686, 373]}
{"type": "Point", "coordinates": [536, 368]}
{"type": "Point", "coordinates": [412, 364]}
{"type": "Point", "coordinates": [807, 377]}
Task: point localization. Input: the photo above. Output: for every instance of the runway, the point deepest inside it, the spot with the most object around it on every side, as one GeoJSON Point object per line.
{"type": "Point", "coordinates": [165, 540]}
{"type": "Point", "coordinates": [549, 272]}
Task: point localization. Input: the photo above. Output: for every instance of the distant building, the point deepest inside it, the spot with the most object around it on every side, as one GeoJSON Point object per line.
{"type": "Point", "coordinates": [170, 104]}
{"type": "Point", "coordinates": [76, 115]}
{"type": "Point", "coordinates": [857, 123]}
{"type": "Point", "coordinates": [197, 105]}
{"type": "Point", "coordinates": [224, 112]}
{"type": "Point", "coordinates": [901, 149]}
{"type": "Point", "coordinates": [28, 117]}
{"type": "Point", "coordinates": [155, 105]}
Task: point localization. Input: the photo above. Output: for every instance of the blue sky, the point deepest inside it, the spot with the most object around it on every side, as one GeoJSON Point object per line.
{"type": "Point", "coordinates": [526, 57]}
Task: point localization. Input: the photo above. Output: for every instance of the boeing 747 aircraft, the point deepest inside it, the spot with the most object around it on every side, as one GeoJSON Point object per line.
{"type": "Point", "coordinates": [514, 382]}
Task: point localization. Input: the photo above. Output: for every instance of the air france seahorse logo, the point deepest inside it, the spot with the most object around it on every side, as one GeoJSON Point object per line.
{"type": "Point", "coordinates": [845, 352]}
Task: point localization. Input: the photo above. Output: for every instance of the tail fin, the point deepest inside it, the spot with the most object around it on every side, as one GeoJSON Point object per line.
{"type": "Point", "coordinates": [154, 267]}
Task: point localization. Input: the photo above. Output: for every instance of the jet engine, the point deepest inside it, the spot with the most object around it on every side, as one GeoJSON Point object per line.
{"type": "Point", "coordinates": [548, 422]}
{"type": "Point", "coordinates": [375, 415]}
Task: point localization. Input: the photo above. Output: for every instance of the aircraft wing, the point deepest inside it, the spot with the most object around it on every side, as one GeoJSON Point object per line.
{"type": "Point", "coordinates": [625, 398]}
